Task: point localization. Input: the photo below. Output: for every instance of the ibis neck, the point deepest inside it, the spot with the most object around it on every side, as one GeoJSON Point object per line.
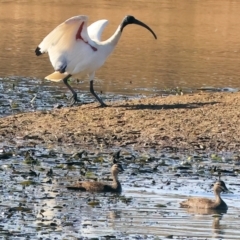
{"type": "Point", "coordinates": [113, 40]}
{"type": "Point", "coordinates": [111, 43]}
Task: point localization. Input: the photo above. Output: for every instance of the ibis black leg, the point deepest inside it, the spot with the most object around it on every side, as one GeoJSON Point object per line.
{"type": "Point", "coordinates": [74, 98]}
{"type": "Point", "coordinates": [95, 95]}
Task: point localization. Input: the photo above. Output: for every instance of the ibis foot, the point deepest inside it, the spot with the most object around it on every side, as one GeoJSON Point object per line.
{"type": "Point", "coordinates": [96, 96]}
{"type": "Point", "coordinates": [74, 99]}
{"type": "Point", "coordinates": [103, 105]}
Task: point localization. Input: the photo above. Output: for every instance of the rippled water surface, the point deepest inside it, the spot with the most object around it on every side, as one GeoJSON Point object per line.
{"type": "Point", "coordinates": [198, 42]}
{"type": "Point", "coordinates": [35, 202]}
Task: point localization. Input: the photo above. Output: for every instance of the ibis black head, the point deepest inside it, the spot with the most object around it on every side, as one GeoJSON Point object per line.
{"type": "Point", "coordinates": [132, 20]}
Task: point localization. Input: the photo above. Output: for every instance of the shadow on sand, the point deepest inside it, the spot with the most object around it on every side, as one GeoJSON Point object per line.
{"type": "Point", "coordinates": [166, 106]}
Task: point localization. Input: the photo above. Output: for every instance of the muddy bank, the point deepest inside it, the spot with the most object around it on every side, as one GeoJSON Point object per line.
{"type": "Point", "coordinates": [201, 122]}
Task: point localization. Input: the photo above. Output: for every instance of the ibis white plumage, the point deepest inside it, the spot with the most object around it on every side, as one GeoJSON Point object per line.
{"type": "Point", "coordinates": [75, 48]}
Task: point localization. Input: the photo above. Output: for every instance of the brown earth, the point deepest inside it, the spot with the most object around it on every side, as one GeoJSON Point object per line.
{"type": "Point", "coordinates": [201, 122]}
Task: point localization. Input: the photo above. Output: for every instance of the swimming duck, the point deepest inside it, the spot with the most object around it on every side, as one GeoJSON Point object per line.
{"type": "Point", "coordinates": [101, 186]}
{"type": "Point", "coordinates": [205, 203]}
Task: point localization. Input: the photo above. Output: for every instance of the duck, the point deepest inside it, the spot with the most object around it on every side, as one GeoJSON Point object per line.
{"type": "Point", "coordinates": [115, 187]}
{"type": "Point", "coordinates": [205, 203]}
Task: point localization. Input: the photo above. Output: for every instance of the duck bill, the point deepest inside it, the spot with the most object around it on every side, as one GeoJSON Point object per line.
{"type": "Point", "coordinates": [225, 190]}
{"type": "Point", "coordinates": [120, 169]}
{"type": "Point", "coordinates": [145, 26]}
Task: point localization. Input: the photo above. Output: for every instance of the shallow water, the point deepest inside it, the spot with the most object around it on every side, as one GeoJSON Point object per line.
{"type": "Point", "coordinates": [34, 207]}
{"type": "Point", "coordinates": [197, 43]}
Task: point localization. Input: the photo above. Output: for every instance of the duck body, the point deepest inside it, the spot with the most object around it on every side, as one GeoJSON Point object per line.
{"type": "Point", "coordinates": [97, 187]}
{"type": "Point", "coordinates": [101, 186]}
{"type": "Point", "coordinates": [205, 203]}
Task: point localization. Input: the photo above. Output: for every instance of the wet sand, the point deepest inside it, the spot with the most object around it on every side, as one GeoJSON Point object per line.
{"type": "Point", "coordinates": [200, 122]}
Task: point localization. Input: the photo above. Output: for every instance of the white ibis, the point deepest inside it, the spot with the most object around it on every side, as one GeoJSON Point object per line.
{"type": "Point", "coordinates": [73, 48]}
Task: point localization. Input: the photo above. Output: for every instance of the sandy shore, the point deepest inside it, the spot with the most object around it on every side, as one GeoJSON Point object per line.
{"type": "Point", "coordinates": [201, 121]}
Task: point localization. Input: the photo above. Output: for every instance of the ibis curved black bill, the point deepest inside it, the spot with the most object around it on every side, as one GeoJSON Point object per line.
{"type": "Point", "coordinates": [145, 26]}
{"type": "Point", "coordinates": [132, 20]}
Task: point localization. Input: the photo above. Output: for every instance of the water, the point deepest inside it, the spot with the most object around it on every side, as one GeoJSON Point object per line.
{"type": "Point", "coordinates": [33, 207]}
{"type": "Point", "coordinates": [197, 43]}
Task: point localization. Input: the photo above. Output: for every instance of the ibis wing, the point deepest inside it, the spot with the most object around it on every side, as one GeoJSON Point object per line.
{"type": "Point", "coordinates": [95, 29]}
{"type": "Point", "coordinates": [66, 43]}
{"type": "Point", "coordinates": [64, 35]}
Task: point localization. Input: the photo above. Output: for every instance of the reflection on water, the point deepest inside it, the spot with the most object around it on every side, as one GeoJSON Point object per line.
{"type": "Point", "coordinates": [143, 211]}
{"type": "Point", "coordinates": [204, 211]}
{"type": "Point", "coordinates": [198, 42]}
{"type": "Point", "coordinates": [218, 228]}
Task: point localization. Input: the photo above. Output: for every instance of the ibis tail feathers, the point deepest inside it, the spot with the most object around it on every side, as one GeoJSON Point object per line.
{"type": "Point", "coordinates": [38, 51]}
{"type": "Point", "coordinates": [56, 76]}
